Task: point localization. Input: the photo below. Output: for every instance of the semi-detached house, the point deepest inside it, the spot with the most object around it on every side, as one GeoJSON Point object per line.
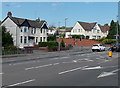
{"type": "Point", "coordinates": [25, 32]}
{"type": "Point", "coordinates": [89, 30]}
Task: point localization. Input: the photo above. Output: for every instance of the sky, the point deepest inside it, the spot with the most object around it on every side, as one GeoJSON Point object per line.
{"type": "Point", "coordinates": [56, 12]}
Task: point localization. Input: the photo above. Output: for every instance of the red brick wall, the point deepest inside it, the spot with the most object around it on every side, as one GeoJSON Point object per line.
{"type": "Point", "coordinates": [83, 42]}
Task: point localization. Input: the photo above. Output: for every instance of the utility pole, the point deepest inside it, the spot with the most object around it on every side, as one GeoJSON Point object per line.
{"type": "Point", "coordinates": [65, 22]}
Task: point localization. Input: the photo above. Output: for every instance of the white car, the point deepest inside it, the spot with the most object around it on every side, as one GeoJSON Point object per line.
{"type": "Point", "coordinates": [98, 47]}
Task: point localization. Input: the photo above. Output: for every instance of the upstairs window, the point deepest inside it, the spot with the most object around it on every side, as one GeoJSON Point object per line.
{"type": "Point", "coordinates": [98, 31]}
{"type": "Point", "coordinates": [25, 39]}
{"type": "Point", "coordinates": [34, 30]}
{"type": "Point", "coordinates": [25, 29]}
{"type": "Point", "coordinates": [31, 31]}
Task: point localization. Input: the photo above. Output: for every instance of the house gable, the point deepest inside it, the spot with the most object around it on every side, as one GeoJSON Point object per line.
{"type": "Point", "coordinates": [76, 28]}
{"type": "Point", "coordinates": [8, 22]}
{"type": "Point", "coordinates": [25, 23]}
{"type": "Point", "coordinates": [44, 26]}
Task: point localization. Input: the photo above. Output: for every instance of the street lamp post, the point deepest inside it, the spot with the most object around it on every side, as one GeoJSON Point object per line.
{"type": "Point", "coordinates": [59, 43]}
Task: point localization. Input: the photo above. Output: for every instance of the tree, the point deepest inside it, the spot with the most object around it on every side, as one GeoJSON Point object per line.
{"type": "Point", "coordinates": [51, 37]}
{"type": "Point", "coordinates": [63, 27]}
{"type": "Point", "coordinates": [7, 39]}
{"type": "Point", "coordinates": [62, 43]}
{"type": "Point", "coordinates": [106, 25]}
{"type": "Point", "coordinates": [112, 31]}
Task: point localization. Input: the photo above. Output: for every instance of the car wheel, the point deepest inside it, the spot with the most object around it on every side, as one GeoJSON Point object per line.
{"type": "Point", "coordinates": [93, 50]}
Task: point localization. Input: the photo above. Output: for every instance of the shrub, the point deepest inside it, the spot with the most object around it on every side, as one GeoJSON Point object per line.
{"type": "Point", "coordinates": [52, 45]}
{"type": "Point", "coordinates": [100, 40]}
{"type": "Point", "coordinates": [53, 48]}
{"type": "Point", "coordinates": [62, 43]}
{"type": "Point", "coordinates": [43, 44]}
{"type": "Point", "coordinates": [11, 48]}
{"type": "Point", "coordinates": [69, 45]}
{"type": "Point", "coordinates": [108, 41]}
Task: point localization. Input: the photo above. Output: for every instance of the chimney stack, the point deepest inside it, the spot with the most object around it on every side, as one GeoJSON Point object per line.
{"type": "Point", "coordinates": [38, 20]}
{"type": "Point", "coordinates": [9, 14]}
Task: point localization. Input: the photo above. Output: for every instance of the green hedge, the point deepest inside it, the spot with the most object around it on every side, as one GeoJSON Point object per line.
{"type": "Point", "coordinates": [108, 41]}
{"type": "Point", "coordinates": [43, 44]}
{"type": "Point", "coordinates": [52, 45]}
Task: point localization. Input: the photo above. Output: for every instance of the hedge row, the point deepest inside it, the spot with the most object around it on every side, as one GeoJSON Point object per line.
{"type": "Point", "coordinates": [52, 45]}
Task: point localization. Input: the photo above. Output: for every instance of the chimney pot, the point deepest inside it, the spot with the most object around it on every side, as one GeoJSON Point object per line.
{"type": "Point", "coordinates": [38, 20]}
{"type": "Point", "coordinates": [9, 14]}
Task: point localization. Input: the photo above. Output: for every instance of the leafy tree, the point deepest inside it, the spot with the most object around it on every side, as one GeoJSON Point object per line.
{"type": "Point", "coordinates": [106, 25]}
{"type": "Point", "coordinates": [112, 31]}
{"type": "Point", "coordinates": [51, 37]}
{"type": "Point", "coordinates": [63, 27]}
{"type": "Point", "coordinates": [62, 43]}
{"type": "Point", "coordinates": [52, 26]}
{"type": "Point", "coordinates": [7, 39]}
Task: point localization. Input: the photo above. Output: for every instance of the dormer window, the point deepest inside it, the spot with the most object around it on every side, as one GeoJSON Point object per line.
{"type": "Point", "coordinates": [25, 29]}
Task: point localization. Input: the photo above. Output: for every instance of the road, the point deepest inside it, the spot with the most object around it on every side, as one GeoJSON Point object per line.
{"type": "Point", "coordinates": [61, 69]}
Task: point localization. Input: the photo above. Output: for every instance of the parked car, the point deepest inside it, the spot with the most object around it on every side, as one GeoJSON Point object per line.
{"type": "Point", "coordinates": [98, 47]}
{"type": "Point", "coordinates": [115, 47]}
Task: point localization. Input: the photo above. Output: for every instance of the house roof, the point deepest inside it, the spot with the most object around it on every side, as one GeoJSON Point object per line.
{"type": "Point", "coordinates": [68, 29]}
{"type": "Point", "coordinates": [0, 22]}
{"type": "Point", "coordinates": [51, 28]}
{"type": "Point", "coordinates": [87, 26]}
{"type": "Point", "coordinates": [104, 28]}
{"type": "Point", "coordinates": [32, 23]}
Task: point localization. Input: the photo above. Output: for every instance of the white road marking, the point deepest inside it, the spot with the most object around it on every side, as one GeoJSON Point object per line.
{"type": "Point", "coordinates": [38, 67]}
{"type": "Point", "coordinates": [54, 58]}
{"type": "Point", "coordinates": [1, 73]}
{"type": "Point", "coordinates": [71, 70]}
{"type": "Point", "coordinates": [64, 57]}
{"type": "Point", "coordinates": [67, 62]}
{"type": "Point", "coordinates": [92, 68]}
{"type": "Point", "coordinates": [59, 58]}
{"type": "Point", "coordinates": [104, 74]}
{"type": "Point", "coordinates": [12, 60]}
{"type": "Point", "coordinates": [98, 58]}
{"type": "Point", "coordinates": [22, 82]}
{"type": "Point", "coordinates": [55, 63]}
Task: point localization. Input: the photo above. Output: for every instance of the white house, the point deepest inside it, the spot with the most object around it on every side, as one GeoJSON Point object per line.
{"type": "Point", "coordinates": [89, 30]}
{"type": "Point", "coordinates": [25, 32]}
{"type": "Point", "coordinates": [51, 31]}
